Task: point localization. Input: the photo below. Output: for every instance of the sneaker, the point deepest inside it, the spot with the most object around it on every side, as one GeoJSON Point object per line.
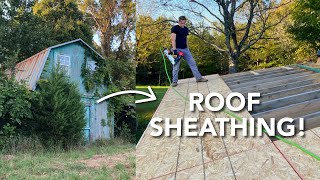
{"type": "Point", "coordinates": [202, 80]}
{"type": "Point", "coordinates": [174, 84]}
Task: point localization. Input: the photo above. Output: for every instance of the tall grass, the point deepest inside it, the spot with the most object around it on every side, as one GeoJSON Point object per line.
{"type": "Point", "coordinates": [29, 160]}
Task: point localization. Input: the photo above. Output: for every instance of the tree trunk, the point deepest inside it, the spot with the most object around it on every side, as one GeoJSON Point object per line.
{"type": "Point", "coordinates": [233, 64]}
{"type": "Point", "coordinates": [105, 44]}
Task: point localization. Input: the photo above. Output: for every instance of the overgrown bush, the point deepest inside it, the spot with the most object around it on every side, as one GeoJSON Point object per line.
{"type": "Point", "coordinates": [58, 113]}
{"type": "Point", "coordinates": [15, 104]}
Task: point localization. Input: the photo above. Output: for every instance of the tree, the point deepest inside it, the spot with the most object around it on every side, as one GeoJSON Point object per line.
{"type": "Point", "coordinates": [114, 21]}
{"type": "Point", "coordinates": [242, 22]}
{"type": "Point", "coordinates": [58, 113]}
{"type": "Point", "coordinates": [280, 49]}
{"type": "Point", "coordinates": [153, 34]}
{"type": "Point", "coordinates": [21, 32]}
{"type": "Point", "coordinates": [306, 26]}
{"type": "Point", "coordinates": [65, 20]}
{"type": "Point", "coordinates": [15, 104]}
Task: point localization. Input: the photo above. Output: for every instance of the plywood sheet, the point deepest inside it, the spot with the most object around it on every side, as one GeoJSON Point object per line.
{"type": "Point", "coordinates": [308, 167]}
{"type": "Point", "coordinates": [219, 169]}
{"type": "Point", "coordinates": [263, 162]}
{"type": "Point", "coordinates": [216, 157]}
{"type": "Point", "coordinates": [239, 143]}
{"type": "Point", "coordinates": [212, 146]}
{"type": "Point", "coordinates": [195, 172]}
{"type": "Point", "coordinates": [190, 153]}
{"type": "Point", "coordinates": [158, 156]}
{"type": "Point", "coordinates": [316, 131]}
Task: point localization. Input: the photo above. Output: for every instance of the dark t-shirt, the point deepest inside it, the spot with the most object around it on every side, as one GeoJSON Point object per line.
{"type": "Point", "coordinates": [181, 36]}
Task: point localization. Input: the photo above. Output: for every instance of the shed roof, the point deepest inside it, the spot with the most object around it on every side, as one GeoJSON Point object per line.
{"type": "Point", "coordinates": [30, 69]}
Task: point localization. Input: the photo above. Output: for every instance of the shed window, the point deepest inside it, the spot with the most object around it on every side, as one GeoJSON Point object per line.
{"type": "Point", "coordinates": [64, 62]}
{"type": "Point", "coordinates": [91, 65]}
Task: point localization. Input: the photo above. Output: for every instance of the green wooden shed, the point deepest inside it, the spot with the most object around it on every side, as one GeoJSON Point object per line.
{"type": "Point", "coordinates": [71, 57]}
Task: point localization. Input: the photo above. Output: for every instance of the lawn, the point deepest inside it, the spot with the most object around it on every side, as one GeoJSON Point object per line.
{"type": "Point", "coordinates": [145, 111]}
{"type": "Point", "coordinates": [103, 161]}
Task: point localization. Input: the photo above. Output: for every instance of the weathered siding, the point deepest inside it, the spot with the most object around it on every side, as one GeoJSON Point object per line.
{"type": "Point", "coordinates": [97, 112]}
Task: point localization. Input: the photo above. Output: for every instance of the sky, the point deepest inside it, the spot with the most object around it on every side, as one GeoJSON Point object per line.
{"type": "Point", "coordinates": [155, 8]}
{"type": "Point", "coordinates": [96, 39]}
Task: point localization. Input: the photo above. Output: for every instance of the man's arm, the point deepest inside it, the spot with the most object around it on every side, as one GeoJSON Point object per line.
{"type": "Point", "coordinates": [173, 40]}
{"type": "Point", "coordinates": [187, 42]}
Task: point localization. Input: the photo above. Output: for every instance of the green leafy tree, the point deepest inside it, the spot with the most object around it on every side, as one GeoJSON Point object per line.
{"type": "Point", "coordinates": [306, 24]}
{"type": "Point", "coordinates": [242, 23]}
{"type": "Point", "coordinates": [276, 49]}
{"type": "Point", "coordinates": [154, 33]}
{"type": "Point", "coordinates": [64, 19]}
{"type": "Point", "coordinates": [15, 104]}
{"type": "Point", "coordinates": [58, 113]}
{"type": "Point", "coordinates": [21, 31]}
{"type": "Point", "coordinates": [151, 35]}
{"type": "Point", "coordinates": [114, 21]}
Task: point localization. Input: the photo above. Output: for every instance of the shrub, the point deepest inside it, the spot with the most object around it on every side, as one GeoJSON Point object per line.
{"type": "Point", "coordinates": [15, 104]}
{"type": "Point", "coordinates": [58, 113]}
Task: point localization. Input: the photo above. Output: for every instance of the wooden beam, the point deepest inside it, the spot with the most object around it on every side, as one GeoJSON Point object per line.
{"type": "Point", "coordinates": [272, 82]}
{"type": "Point", "coordinates": [286, 67]}
{"type": "Point", "coordinates": [288, 92]}
{"type": "Point", "coordinates": [247, 73]}
{"type": "Point", "coordinates": [286, 101]}
{"type": "Point", "coordinates": [292, 111]}
{"type": "Point", "coordinates": [261, 76]}
{"type": "Point", "coordinates": [311, 121]}
{"type": "Point", "coordinates": [254, 73]}
{"type": "Point", "coordinates": [268, 88]}
{"type": "Point", "coordinates": [272, 79]}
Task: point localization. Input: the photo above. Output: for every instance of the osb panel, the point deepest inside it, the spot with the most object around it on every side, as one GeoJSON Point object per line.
{"type": "Point", "coordinates": [195, 172]}
{"type": "Point", "coordinates": [307, 166]}
{"type": "Point", "coordinates": [213, 147]}
{"type": "Point", "coordinates": [190, 154]}
{"type": "Point", "coordinates": [218, 169]}
{"type": "Point", "coordinates": [169, 176]}
{"type": "Point", "coordinates": [316, 131]}
{"type": "Point", "coordinates": [203, 88]}
{"type": "Point", "coordinates": [156, 156]}
{"type": "Point", "coordinates": [264, 162]}
{"type": "Point", "coordinates": [182, 87]}
{"type": "Point", "coordinates": [238, 143]}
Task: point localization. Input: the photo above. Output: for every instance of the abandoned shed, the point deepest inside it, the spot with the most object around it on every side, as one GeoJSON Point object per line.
{"type": "Point", "coordinates": [71, 56]}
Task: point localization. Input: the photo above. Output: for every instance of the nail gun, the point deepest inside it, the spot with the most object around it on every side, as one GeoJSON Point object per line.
{"type": "Point", "coordinates": [173, 56]}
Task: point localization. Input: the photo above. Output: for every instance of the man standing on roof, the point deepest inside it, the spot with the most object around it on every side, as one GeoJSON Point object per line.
{"type": "Point", "coordinates": [179, 35]}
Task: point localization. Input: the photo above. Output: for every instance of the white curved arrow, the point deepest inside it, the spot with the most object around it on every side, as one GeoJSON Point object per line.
{"type": "Point", "coordinates": [152, 96]}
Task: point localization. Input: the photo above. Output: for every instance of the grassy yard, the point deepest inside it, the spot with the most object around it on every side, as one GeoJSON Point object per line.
{"type": "Point", "coordinates": [103, 161]}
{"type": "Point", "coordinates": [108, 160]}
{"type": "Point", "coordinates": [146, 110]}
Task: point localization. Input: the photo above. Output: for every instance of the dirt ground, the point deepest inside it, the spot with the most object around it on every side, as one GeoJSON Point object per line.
{"type": "Point", "coordinates": [110, 161]}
